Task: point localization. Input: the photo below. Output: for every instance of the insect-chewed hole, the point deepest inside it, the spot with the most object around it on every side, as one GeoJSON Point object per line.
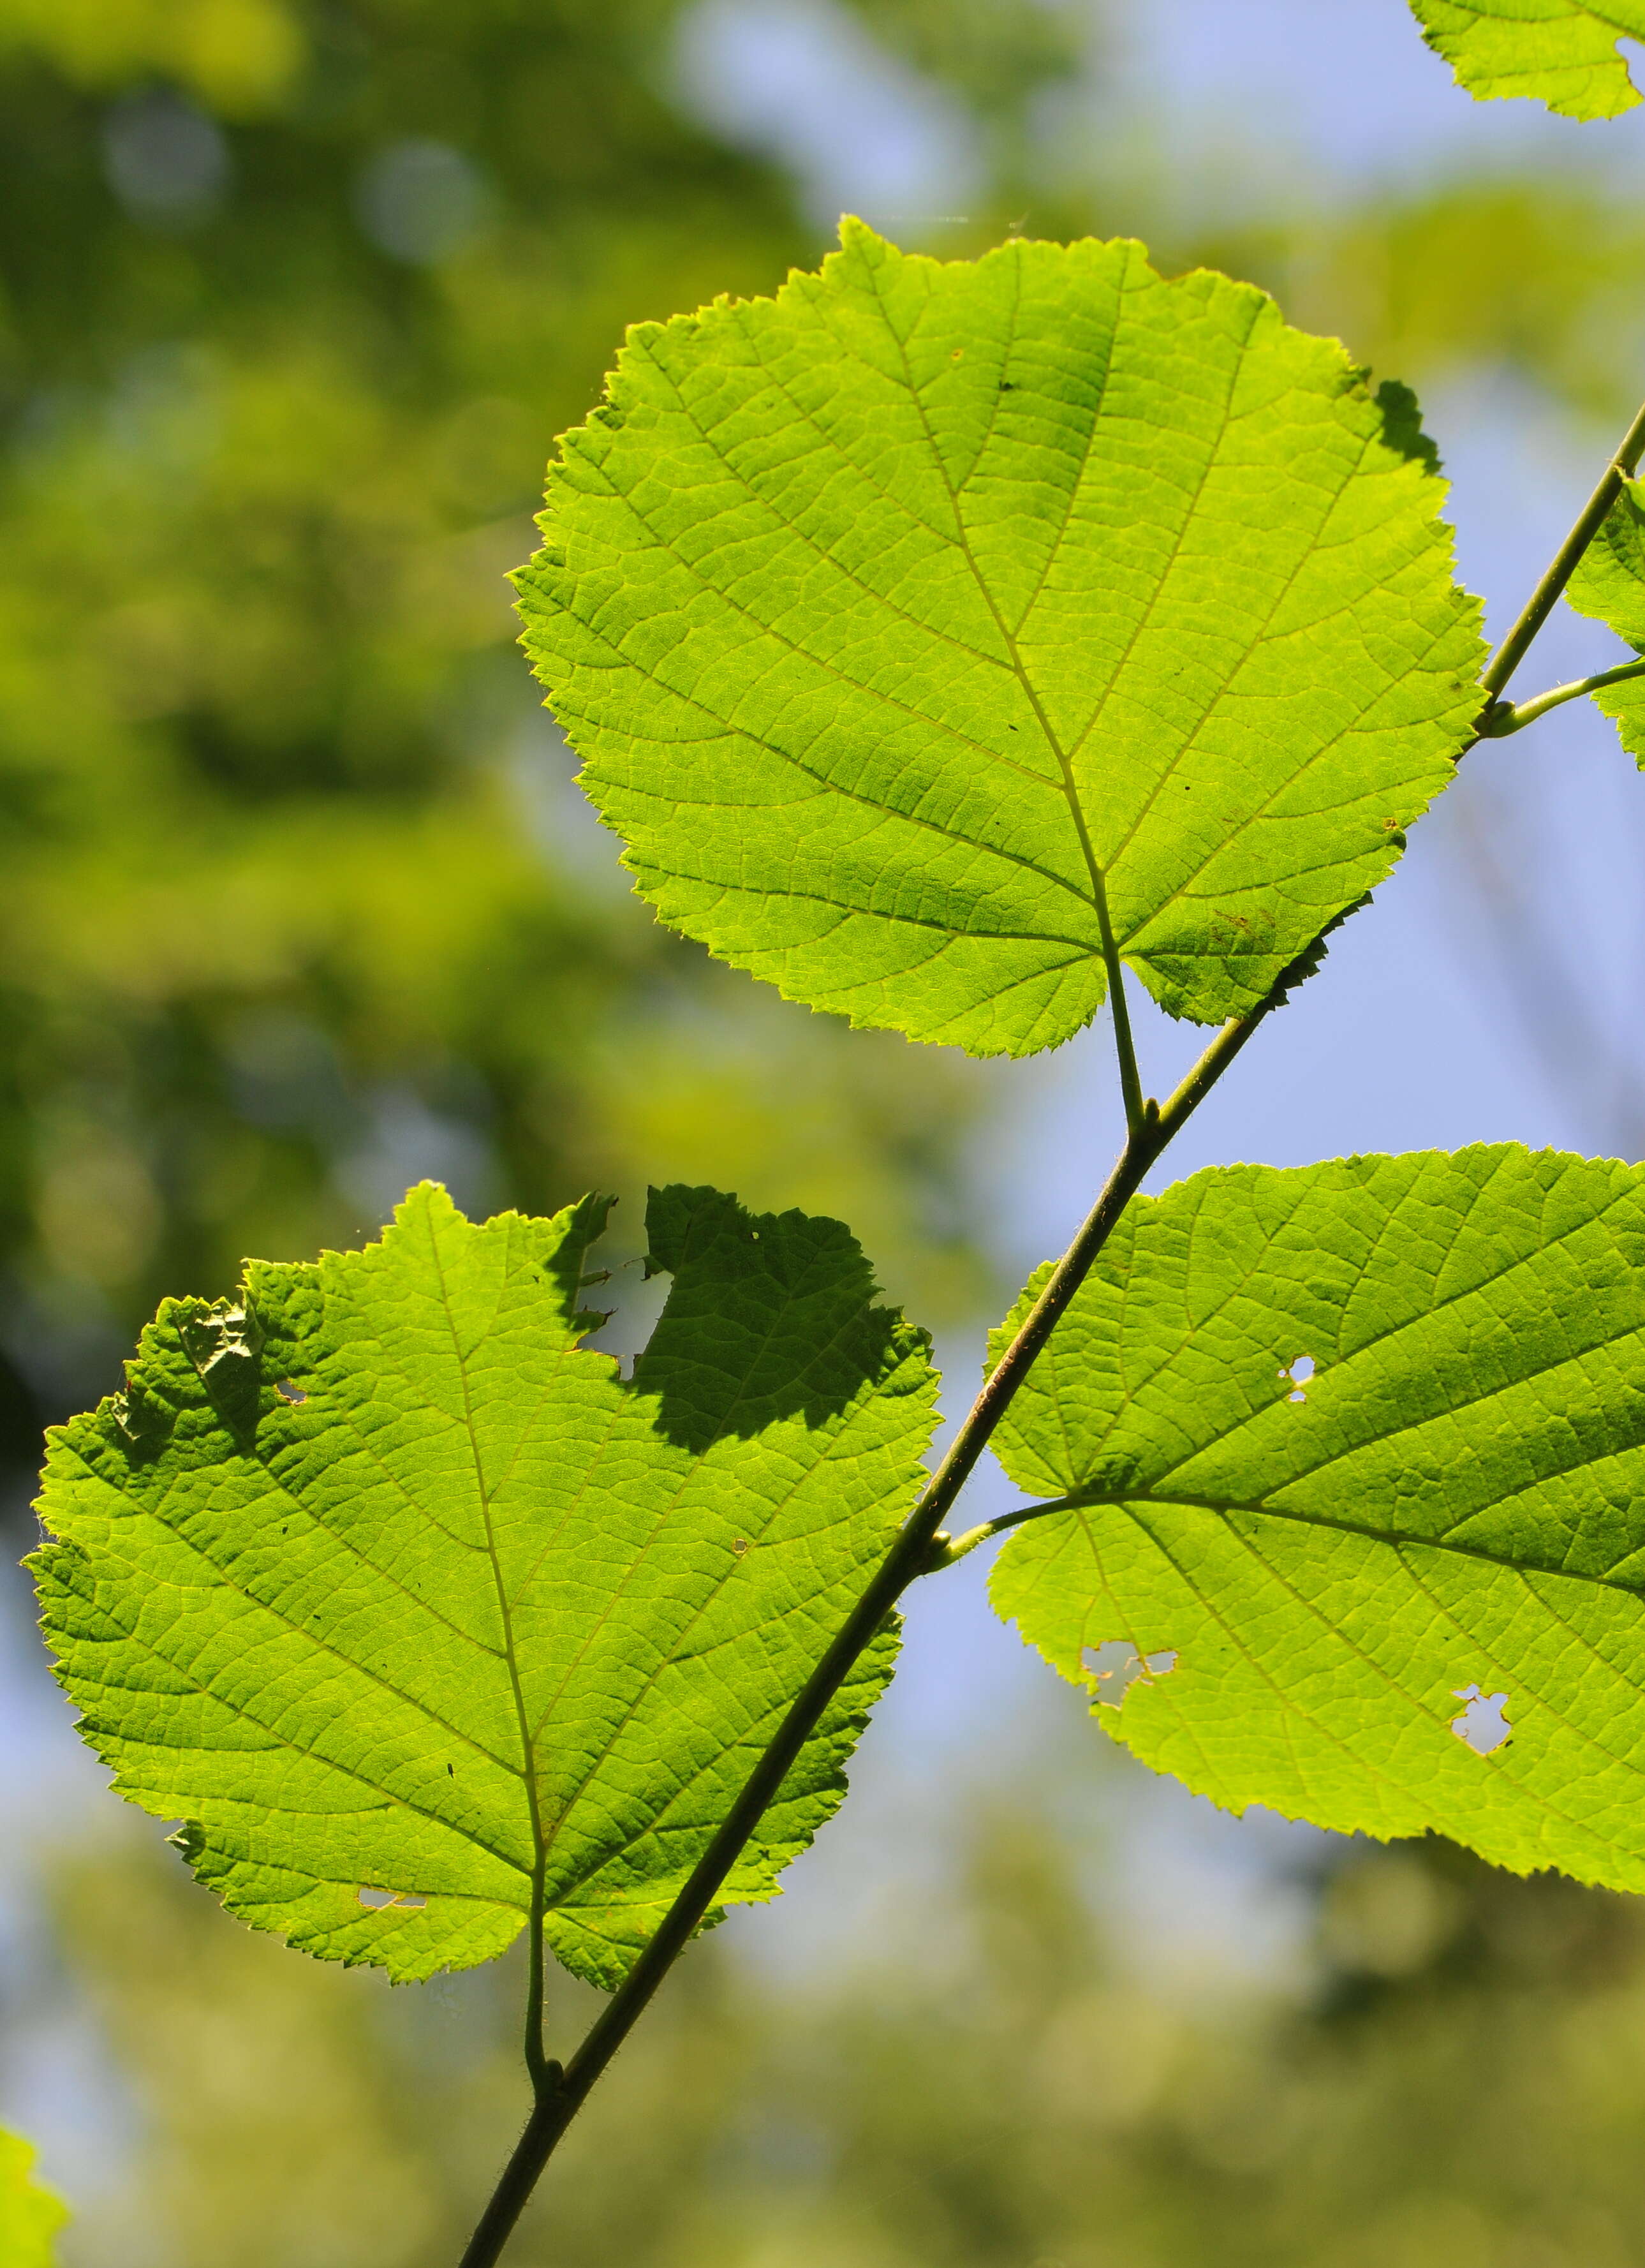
{"type": "Point", "coordinates": [1482, 1723]}
{"type": "Point", "coordinates": [377, 1900]}
{"type": "Point", "coordinates": [287, 1392]}
{"type": "Point", "coordinates": [1117, 1667]}
{"type": "Point", "coordinates": [1299, 1373]}
{"type": "Point", "coordinates": [741, 1546]}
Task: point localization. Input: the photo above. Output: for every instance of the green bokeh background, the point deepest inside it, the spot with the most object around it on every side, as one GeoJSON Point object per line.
{"type": "Point", "coordinates": [296, 903]}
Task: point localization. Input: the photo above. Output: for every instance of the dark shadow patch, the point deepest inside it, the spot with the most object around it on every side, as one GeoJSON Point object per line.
{"type": "Point", "coordinates": [224, 1345]}
{"type": "Point", "coordinates": [567, 1266]}
{"type": "Point", "coordinates": [770, 1315]}
{"type": "Point", "coordinates": [1402, 425]}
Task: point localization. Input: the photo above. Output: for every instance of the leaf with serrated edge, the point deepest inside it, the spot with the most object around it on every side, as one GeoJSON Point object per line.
{"type": "Point", "coordinates": [387, 1585]}
{"type": "Point", "coordinates": [30, 2216]}
{"type": "Point", "coordinates": [1609, 585]}
{"type": "Point", "coordinates": [1561, 53]}
{"type": "Point", "coordinates": [1452, 1504]}
{"type": "Point", "coordinates": [899, 618]}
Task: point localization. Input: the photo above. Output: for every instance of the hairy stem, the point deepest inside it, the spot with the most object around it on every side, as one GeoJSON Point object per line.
{"type": "Point", "coordinates": [559, 2101]}
{"type": "Point", "coordinates": [946, 1552]}
{"type": "Point", "coordinates": [1125, 1047]}
{"type": "Point", "coordinates": [543, 2073]}
{"type": "Point", "coordinates": [1549, 591]}
{"type": "Point", "coordinates": [1505, 717]}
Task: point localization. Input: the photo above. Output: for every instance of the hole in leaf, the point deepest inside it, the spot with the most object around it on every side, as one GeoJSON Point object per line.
{"type": "Point", "coordinates": [1299, 1372]}
{"type": "Point", "coordinates": [378, 1899]}
{"type": "Point", "coordinates": [740, 1546]}
{"type": "Point", "coordinates": [1481, 1724]}
{"type": "Point", "coordinates": [1117, 1667]}
{"type": "Point", "coordinates": [287, 1392]}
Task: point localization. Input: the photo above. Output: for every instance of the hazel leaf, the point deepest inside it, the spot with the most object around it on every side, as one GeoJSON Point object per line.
{"type": "Point", "coordinates": [1358, 1453]}
{"type": "Point", "coordinates": [1609, 586]}
{"type": "Point", "coordinates": [418, 1612]}
{"type": "Point", "coordinates": [914, 623]}
{"type": "Point", "coordinates": [1560, 52]}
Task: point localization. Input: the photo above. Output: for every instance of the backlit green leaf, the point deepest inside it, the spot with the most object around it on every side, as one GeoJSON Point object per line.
{"type": "Point", "coordinates": [1564, 52]}
{"type": "Point", "coordinates": [1610, 585]}
{"type": "Point", "coordinates": [901, 619]}
{"type": "Point", "coordinates": [404, 1601]}
{"type": "Point", "coordinates": [30, 2216]}
{"type": "Point", "coordinates": [1361, 1456]}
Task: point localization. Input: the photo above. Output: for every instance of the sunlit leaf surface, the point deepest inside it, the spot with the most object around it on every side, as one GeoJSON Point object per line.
{"type": "Point", "coordinates": [1360, 1452]}
{"type": "Point", "coordinates": [910, 618]}
{"type": "Point", "coordinates": [1563, 53]}
{"type": "Point", "coordinates": [1610, 585]}
{"type": "Point", "coordinates": [414, 1609]}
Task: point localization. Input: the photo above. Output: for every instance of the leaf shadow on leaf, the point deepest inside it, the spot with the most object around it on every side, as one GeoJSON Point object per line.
{"type": "Point", "coordinates": [1402, 426]}
{"type": "Point", "coordinates": [767, 1318]}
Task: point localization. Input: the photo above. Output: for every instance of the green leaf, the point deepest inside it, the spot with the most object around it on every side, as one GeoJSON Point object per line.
{"type": "Point", "coordinates": [393, 1591]}
{"type": "Point", "coordinates": [1321, 1574]}
{"type": "Point", "coordinates": [1609, 585]}
{"type": "Point", "coordinates": [903, 619]}
{"type": "Point", "coordinates": [30, 2216]}
{"type": "Point", "coordinates": [1562, 53]}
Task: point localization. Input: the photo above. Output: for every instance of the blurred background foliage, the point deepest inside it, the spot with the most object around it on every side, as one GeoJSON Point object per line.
{"type": "Point", "coordinates": [298, 902]}
{"type": "Point", "coordinates": [1453, 2076]}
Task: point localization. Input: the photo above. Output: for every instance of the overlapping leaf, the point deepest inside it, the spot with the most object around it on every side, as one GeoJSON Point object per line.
{"type": "Point", "coordinates": [417, 1609]}
{"type": "Point", "coordinates": [1609, 583]}
{"type": "Point", "coordinates": [30, 2216]}
{"type": "Point", "coordinates": [907, 621]}
{"type": "Point", "coordinates": [1360, 1457]}
{"type": "Point", "coordinates": [1564, 52]}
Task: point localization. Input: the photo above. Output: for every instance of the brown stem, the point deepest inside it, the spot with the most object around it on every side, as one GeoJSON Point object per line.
{"type": "Point", "coordinates": [561, 2094]}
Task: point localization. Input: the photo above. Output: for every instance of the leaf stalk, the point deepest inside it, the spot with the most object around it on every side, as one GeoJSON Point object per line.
{"type": "Point", "coordinates": [959, 1547]}
{"type": "Point", "coordinates": [1563, 566]}
{"type": "Point", "coordinates": [1505, 717]}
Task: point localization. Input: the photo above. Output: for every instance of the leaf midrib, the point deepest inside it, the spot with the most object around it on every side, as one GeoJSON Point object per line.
{"type": "Point", "coordinates": [1070, 792]}
{"type": "Point", "coordinates": [528, 1761]}
{"type": "Point", "coordinates": [1264, 1508]}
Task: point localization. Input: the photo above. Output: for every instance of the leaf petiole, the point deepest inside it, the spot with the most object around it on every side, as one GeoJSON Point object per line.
{"type": "Point", "coordinates": [1506, 717]}
{"type": "Point", "coordinates": [959, 1547]}
{"type": "Point", "coordinates": [1563, 566]}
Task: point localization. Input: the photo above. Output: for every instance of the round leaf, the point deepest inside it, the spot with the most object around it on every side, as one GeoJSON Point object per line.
{"type": "Point", "coordinates": [915, 620]}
